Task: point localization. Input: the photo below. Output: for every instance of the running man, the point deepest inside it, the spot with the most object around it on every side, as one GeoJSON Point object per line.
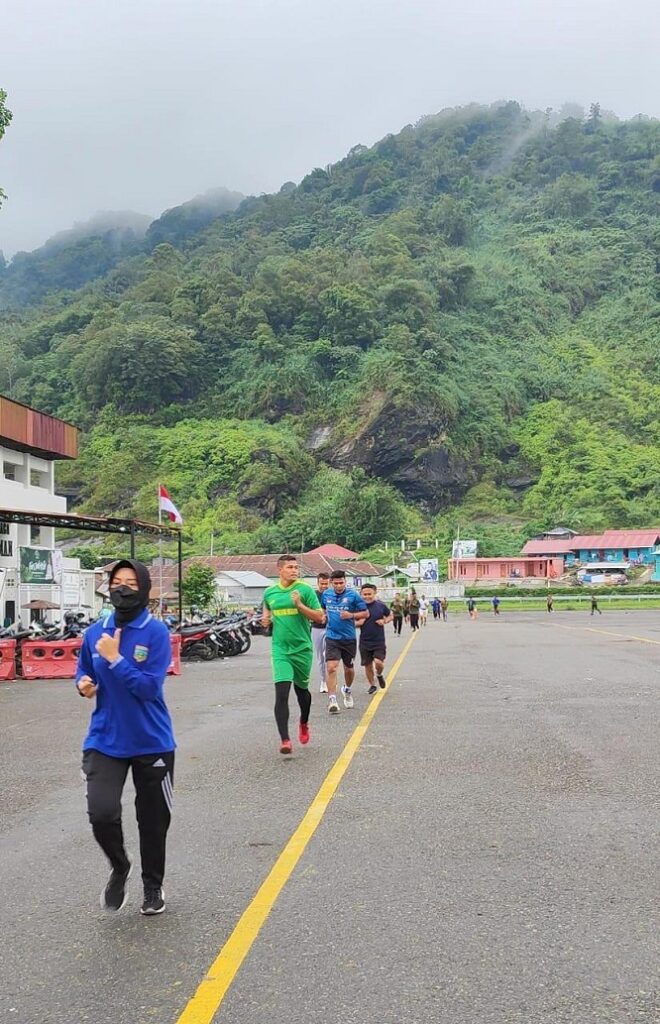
{"type": "Point", "coordinates": [423, 610]}
{"type": "Point", "coordinates": [123, 662]}
{"type": "Point", "coordinates": [372, 637]}
{"type": "Point", "coordinates": [444, 608]}
{"type": "Point", "coordinates": [413, 610]}
{"type": "Point", "coordinates": [397, 610]}
{"type": "Point", "coordinates": [345, 610]}
{"type": "Point", "coordinates": [318, 631]}
{"type": "Point", "coordinates": [472, 608]}
{"type": "Point", "coordinates": [435, 605]}
{"type": "Point", "coordinates": [496, 605]}
{"type": "Point", "coordinates": [289, 606]}
{"type": "Point", "coordinates": [594, 605]}
{"type": "Point", "coordinates": [549, 601]}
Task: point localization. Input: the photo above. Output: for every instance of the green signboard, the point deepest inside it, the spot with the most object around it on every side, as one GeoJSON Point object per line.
{"type": "Point", "coordinates": [41, 565]}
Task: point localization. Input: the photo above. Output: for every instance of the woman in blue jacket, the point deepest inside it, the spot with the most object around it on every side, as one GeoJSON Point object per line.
{"type": "Point", "coordinates": [123, 663]}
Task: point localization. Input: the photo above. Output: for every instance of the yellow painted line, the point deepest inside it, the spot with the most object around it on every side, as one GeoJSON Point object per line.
{"type": "Point", "coordinates": [207, 999]}
{"type": "Point", "coordinates": [606, 632]}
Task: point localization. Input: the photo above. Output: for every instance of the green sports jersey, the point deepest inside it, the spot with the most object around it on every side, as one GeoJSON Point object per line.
{"type": "Point", "coordinates": [291, 630]}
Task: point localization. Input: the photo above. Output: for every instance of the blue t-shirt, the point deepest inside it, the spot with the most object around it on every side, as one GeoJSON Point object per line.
{"type": "Point", "coordinates": [130, 717]}
{"type": "Point", "coordinates": [334, 604]}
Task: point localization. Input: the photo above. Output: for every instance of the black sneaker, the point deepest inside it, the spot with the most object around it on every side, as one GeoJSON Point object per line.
{"type": "Point", "coordinates": [372, 689]}
{"type": "Point", "coordinates": [153, 900]}
{"type": "Point", "coordinates": [381, 681]}
{"type": "Point", "coordinates": [115, 894]}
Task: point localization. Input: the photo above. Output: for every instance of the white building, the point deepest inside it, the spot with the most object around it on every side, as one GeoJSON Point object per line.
{"type": "Point", "coordinates": [30, 442]}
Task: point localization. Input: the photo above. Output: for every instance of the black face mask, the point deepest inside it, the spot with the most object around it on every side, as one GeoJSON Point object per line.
{"type": "Point", "coordinates": [125, 599]}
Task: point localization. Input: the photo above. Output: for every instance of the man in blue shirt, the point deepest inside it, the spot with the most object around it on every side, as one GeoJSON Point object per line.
{"type": "Point", "coordinates": [123, 663]}
{"type": "Point", "coordinates": [344, 609]}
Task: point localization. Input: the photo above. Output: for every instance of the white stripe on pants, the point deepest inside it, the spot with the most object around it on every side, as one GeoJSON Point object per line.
{"type": "Point", "coordinates": [318, 639]}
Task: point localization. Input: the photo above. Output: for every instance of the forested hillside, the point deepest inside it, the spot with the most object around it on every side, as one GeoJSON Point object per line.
{"type": "Point", "coordinates": [459, 322]}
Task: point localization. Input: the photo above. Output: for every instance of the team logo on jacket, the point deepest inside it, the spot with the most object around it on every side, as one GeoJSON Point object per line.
{"type": "Point", "coordinates": [140, 653]}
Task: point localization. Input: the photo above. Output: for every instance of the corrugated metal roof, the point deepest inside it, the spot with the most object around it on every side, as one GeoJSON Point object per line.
{"type": "Point", "coordinates": [247, 578]}
{"type": "Point", "coordinates": [333, 551]}
{"type": "Point", "coordinates": [630, 538]}
{"type": "Point", "coordinates": [548, 547]}
{"type": "Point", "coordinates": [587, 540]}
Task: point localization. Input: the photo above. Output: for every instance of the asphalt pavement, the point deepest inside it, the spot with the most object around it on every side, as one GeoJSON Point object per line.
{"type": "Point", "coordinates": [490, 856]}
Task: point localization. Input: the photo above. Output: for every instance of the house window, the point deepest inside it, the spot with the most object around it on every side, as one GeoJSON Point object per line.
{"type": "Point", "coordinates": [35, 535]}
{"type": "Point", "coordinates": [9, 470]}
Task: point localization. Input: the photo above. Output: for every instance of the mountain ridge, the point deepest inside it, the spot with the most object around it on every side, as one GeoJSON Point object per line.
{"type": "Point", "coordinates": [465, 313]}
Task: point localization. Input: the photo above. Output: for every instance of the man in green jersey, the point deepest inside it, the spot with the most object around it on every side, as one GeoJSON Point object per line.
{"type": "Point", "coordinates": [289, 607]}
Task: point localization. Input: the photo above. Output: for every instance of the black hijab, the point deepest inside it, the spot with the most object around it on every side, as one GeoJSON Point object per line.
{"type": "Point", "coordinates": [128, 604]}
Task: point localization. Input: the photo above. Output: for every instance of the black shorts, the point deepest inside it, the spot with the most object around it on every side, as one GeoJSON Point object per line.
{"type": "Point", "coordinates": [370, 654]}
{"type": "Point", "coordinates": [340, 650]}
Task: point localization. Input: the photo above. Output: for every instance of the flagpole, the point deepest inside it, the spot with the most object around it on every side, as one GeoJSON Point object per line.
{"type": "Point", "coordinates": [160, 549]}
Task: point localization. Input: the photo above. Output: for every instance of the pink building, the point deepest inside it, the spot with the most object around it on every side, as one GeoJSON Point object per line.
{"type": "Point", "coordinates": [516, 567]}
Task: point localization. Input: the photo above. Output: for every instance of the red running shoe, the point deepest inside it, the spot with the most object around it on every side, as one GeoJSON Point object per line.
{"type": "Point", "coordinates": [286, 747]}
{"type": "Point", "coordinates": [303, 733]}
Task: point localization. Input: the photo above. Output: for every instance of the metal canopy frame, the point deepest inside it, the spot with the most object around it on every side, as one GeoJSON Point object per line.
{"type": "Point", "coordinates": [130, 528]}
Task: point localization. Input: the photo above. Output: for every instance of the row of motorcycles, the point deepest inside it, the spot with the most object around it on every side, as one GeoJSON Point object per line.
{"type": "Point", "coordinates": [211, 637]}
{"type": "Point", "coordinates": [203, 640]}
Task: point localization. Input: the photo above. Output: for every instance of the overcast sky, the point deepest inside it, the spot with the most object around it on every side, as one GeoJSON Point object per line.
{"type": "Point", "coordinates": [141, 104]}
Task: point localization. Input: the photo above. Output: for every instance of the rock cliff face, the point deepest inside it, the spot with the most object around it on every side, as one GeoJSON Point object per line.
{"type": "Point", "coordinates": [404, 447]}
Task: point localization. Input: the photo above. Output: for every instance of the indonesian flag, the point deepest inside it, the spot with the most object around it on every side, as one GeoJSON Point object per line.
{"type": "Point", "coordinates": [166, 505]}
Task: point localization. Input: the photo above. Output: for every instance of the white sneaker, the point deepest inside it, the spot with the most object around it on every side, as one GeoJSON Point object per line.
{"type": "Point", "coordinates": [348, 696]}
{"type": "Point", "coordinates": [333, 706]}
{"type": "Point", "coordinates": [323, 688]}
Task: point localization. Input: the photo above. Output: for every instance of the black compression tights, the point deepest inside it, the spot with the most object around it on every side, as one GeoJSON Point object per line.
{"type": "Point", "coordinates": [282, 691]}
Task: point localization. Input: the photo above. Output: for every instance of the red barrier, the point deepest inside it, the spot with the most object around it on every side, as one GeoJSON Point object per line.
{"type": "Point", "coordinates": [55, 660]}
{"type": "Point", "coordinates": [175, 664]}
{"type": "Point", "coordinates": [7, 659]}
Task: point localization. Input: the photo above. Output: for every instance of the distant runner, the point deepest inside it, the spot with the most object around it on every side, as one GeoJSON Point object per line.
{"type": "Point", "coordinates": [413, 610]}
{"type": "Point", "coordinates": [372, 637]}
{"type": "Point", "coordinates": [397, 610]}
{"type": "Point", "coordinates": [318, 630]}
{"type": "Point", "coordinates": [345, 609]}
{"type": "Point", "coordinates": [444, 607]}
{"type": "Point", "coordinates": [435, 605]}
{"type": "Point", "coordinates": [290, 606]}
{"type": "Point", "coordinates": [423, 610]}
{"type": "Point", "coordinates": [594, 605]}
{"type": "Point", "coordinates": [496, 605]}
{"type": "Point", "coordinates": [549, 601]}
{"type": "Point", "coordinates": [472, 607]}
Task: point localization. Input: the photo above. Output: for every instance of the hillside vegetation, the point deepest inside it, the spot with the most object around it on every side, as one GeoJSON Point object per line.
{"type": "Point", "coordinates": [459, 323]}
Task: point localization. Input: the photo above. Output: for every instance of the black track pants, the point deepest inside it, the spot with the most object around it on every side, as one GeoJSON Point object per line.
{"type": "Point", "coordinates": [152, 777]}
{"type": "Point", "coordinates": [397, 622]}
{"type": "Point", "coordinates": [282, 691]}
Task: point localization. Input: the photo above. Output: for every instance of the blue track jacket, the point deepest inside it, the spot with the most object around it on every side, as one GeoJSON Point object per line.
{"type": "Point", "coordinates": [130, 717]}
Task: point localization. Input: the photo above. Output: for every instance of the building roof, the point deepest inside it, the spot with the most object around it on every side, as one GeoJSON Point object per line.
{"type": "Point", "coordinates": [333, 551]}
{"type": "Point", "coordinates": [595, 542]}
{"type": "Point", "coordinates": [631, 538]}
{"type": "Point", "coordinates": [560, 531]}
{"type": "Point", "coordinates": [247, 578]}
{"type": "Point", "coordinates": [548, 547]}
{"type": "Point", "coordinates": [618, 539]}
{"type": "Point", "coordinates": [27, 430]}
{"type": "Point", "coordinates": [310, 564]}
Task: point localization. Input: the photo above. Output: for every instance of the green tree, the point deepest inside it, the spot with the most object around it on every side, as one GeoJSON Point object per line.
{"type": "Point", "coordinates": [5, 118]}
{"type": "Point", "coordinates": [199, 586]}
{"type": "Point", "coordinates": [140, 366]}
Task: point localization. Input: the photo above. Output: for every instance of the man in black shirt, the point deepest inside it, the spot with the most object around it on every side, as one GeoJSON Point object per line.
{"type": "Point", "coordinates": [372, 637]}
